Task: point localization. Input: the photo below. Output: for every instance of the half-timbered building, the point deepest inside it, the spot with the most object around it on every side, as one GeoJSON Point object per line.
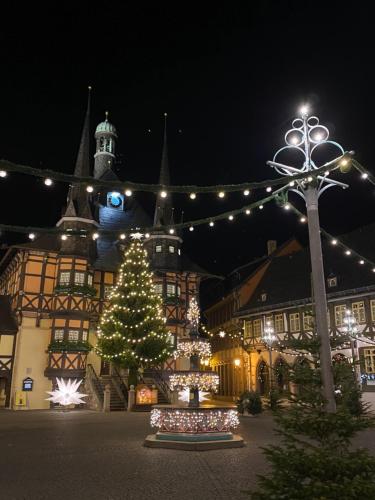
{"type": "Point", "coordinates": [53, 288]}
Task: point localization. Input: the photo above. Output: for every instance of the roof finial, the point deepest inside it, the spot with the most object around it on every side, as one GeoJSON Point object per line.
{"type": "Point", "coordinates": [106, 115]}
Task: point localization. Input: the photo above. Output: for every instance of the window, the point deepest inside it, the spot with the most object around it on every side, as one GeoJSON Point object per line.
{"type": "Point", "coordinates": [263, 297]}
{"type": "Point", "coordinates": [279, 323]}
{"type": "Point", "coordinates": [101, 144]}
{"type": "Point", "coordinates": [84, 336]}
{"type": "Point", "coordinates": [369, 360]}
{"type": "Point", "coordinates": [178, 290]}
{"type": "Point", "coordinates": [171, 290]}
{"type": "Point", "coordinates": [158, 249]}
{"type": "Point", "coordinates": [59, 334]}
{"type": "Point", "coordinates": [372, 304]}
{"type": "Point", "coordinates": [358, 309]}
{"type": "Point", "coordinates": [269, 321]}
{"type": "Point", "coordinates": [257, 327]}
{"type": "Point", "coordinates": [332, 282]}
{"type": "Point", "coordinates": [64, 278]}
{"type": "Point", "coordinates": [294, 322]}
{"type": "Point", "coordinates": [171, 249]}
{"type": "Point", "coordinates": [308, 322]}
{"type": "Point", "coordinates": [107, 291]}
{"type": "Point", "coordinates": [248, 330]}
{"type": "Point", "coordinates": [159, 288]}
{"type": "Point", "coordinates": [340, 315]}
{"type": "Point", "coordinates": [73, 335]}
{"type": "Point", "coordinates": [89, 279]}
{"type": "Point", "coordinates": [79, 278]}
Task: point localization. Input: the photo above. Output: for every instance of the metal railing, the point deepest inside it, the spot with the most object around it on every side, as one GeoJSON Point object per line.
{"type": "Point", "coordinates": [94, 386]}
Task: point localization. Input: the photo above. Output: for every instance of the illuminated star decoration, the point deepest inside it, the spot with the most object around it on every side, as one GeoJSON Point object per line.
{"type": "Point", "coordinates": [66, 394]}
{"type": "Point", "coordinates": [185, 394]}
{"type": "Point", "coordinates": [136, 236]}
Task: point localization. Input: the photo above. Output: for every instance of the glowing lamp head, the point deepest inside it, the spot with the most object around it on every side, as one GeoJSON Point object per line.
{"type": "Point", "coordinates": [171, 231]}
{"type": "Point", "coordinates": [3, 173]}
{"type": "Point", "coordinates": [318, 137]}
{"type": "Point", "coordinates": [163, 194]}
{"type": "Point", "coordinates": [287, 206]}
{"type": "Point", "coordinates": [193, 196]}
{"type": "Point", "coordinates": [128, 192]}
{"type": "Point", "coordinates": [246, 192]}
{"type": "Point", "coordinates": [221, 194]}
{"type": "Point", "coordinates": [95, 236]}
{"type": "Point", "coordinates": [303, 219]}
{"type": "Point", "coordinates": [268, 189]}
{"type": "Point", "coordinates": [64, 237]}
{"type": "Point", "coordinates": [211, 224]}
{"type": "Point", "coordinates": [261, 207]}
{"type": "Point", "coordinates": [147, 235]}
{"type": "Point", "coordinates": [191, 228]}
{"type": "Point", "coordinates": [89, 189]}
{"type": "Point", "coordinates": [294, 139]}
{"type": "Point", "coordinates": [304, 110]}
{"type": "Point", "coordinates": [247, 211]}
{"type": "Point", "coordinates": [237, 362]}
{"type": "Point", "coordinates": [32, 236]}
{"type": "Point", "coordinates": [48, 182]}
{"type": "Point", "coordinates": [231, 217]}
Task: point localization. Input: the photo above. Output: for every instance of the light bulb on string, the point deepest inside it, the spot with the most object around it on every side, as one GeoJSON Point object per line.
{"type": "Point", "coordinates": [95, 236]}
{"type": "Point", "coordinates": [221, 194]}
{"type": "Point", "coordinates": [191, 228]}
{"type": "Point", "coordinates": [163, 194]}
{"type": "Point", "coordinates": [64, 237]}
{"type": "Point", "coordinates": [246, 192]}
{"type": "Point", "coordinates": [48, 181]}
{"type": "Point", "coordinates": [122, 236]}
{"type": "Point", "coordinates": [261, 207]}
{"type": "Point", "coordinates": [89, 189]}
{"type": "Point", "coordinates": [333, 242]}
{"type": "Point", "coordinates": [248, 211]}
{"type": "Point", "coordinates": [211, 224]}
{"type": "Point", "coordinates": [230, 217]}
{"type": "Point", "coordinates": [364, 175]}
{"type": "Point", "coordinates": [193, 196]}
{"type": "Point", "coordinates": [361, 262]}
{"type": "Point", "coordinates": [128, 192]}
{"type": "Point", "coordinates": [171, 231]}
{"type": "Point", "coordinates": [32, 236]}
{"type": "Point", "coordinates": [303, 219]}
{"type": "Point", "coordinates": [348, 252]}
{"type": "Point", "coordinates": [268, 189]}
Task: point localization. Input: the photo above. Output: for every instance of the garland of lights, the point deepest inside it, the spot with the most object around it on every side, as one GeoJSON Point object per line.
{"type": "Point", "coordinates": [188, 420]}
{"type": "Point", "coordinates": [129, 326]}
{"type": "Point", "coordinates": [90, 182]}
{"type": "Point", "coordinates": [187, 348]}
{"type": "Point", "coordinates": [204, 380]}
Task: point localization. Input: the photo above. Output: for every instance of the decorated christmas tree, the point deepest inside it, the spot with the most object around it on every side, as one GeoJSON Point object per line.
{"type": "Point", "coordinates": [132, 331]}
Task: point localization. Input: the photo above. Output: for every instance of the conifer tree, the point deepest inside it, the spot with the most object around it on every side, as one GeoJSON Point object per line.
{"type": "Point", "coordinates": [315, 459]}
{"type": "Point", "coordinates": [132, 331]}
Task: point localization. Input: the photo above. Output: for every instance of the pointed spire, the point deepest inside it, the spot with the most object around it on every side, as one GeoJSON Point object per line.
{"type": "Point", "coordinates": [163, 209]}
{"type": "Point", "coordinates": [78, 193]}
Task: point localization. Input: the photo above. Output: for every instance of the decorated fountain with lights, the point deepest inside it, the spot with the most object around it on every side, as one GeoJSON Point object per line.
{"type": "Point", "coordinates": [194, 426]}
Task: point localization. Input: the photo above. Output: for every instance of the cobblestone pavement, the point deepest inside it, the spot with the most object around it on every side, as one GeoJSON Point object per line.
{"type": "Point", "coordinates": [90, 455]}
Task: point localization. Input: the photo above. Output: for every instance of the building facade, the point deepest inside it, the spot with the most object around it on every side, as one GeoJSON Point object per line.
{"type": "Point", "coordinates": [53, 289]}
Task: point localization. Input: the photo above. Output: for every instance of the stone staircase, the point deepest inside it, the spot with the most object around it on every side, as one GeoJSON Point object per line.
{"type": "Point", "coordinates": [96, 387]}
{"type": "Point", "coordinates": [116, 403]}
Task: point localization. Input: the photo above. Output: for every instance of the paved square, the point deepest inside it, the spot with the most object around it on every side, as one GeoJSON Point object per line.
{"type": "Point", "coordinates": [90, 455]}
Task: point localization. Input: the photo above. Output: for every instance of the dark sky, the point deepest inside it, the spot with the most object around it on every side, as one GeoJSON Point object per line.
{"type": "Point", "coordinates": [231, 80]}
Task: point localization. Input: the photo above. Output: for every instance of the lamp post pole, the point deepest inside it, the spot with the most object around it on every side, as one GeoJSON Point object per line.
{"type": "Point", "coordinates": [305, 136]}
{"type": "Point", "coordinates": [352, 330]}
{"type": "Point", "coordinates": [269, 338]}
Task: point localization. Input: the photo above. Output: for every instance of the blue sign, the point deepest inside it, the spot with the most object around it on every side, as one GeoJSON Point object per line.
{"type": "Point", "coordinates": [27, 384]}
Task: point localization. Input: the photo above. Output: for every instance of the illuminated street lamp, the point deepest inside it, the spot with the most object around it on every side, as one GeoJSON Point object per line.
{"type": "Point", "coordinates": [305, 138]}
{"type": "Point", "coordinates": [269, 338]}
{"type": "Point", "coordinates": [351, 329]}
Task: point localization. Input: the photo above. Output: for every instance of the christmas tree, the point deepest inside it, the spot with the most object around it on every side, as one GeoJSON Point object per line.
{"type": "Point", "coordinates": [132, 331]}
{"type": "Point", "coordinates": [316, 458]}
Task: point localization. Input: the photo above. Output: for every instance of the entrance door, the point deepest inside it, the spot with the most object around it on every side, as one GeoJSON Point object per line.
{"type": "Point", "coordinates": [104, 368]}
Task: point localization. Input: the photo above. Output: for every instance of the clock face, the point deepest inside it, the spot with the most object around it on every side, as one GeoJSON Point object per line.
{"type": "Point", "coordinates": [114, 200]}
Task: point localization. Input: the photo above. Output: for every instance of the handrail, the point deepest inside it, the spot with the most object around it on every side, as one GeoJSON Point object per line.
{"type": "Point", "coordinates": [160, 383]}
{"type": "Point", "coordinates": [119, 384]}
{"type": "Point", "coordinates": [95, 385]}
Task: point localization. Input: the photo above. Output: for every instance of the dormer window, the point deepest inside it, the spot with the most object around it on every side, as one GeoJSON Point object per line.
{"type": "Point", "coordinates": [158, 248]}
{"type": "Point", "coordinates": [64, 278]}
{"type": "Point", "coordinates": [332, 282]}
{"type": "Point", "coordinates": [263, 297]}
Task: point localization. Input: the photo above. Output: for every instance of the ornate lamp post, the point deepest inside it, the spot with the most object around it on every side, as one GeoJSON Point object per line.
{"type": "Point", "coordinates": [269, 338]}
{"type": "Point", "coordinates": [352, 330]}
{"type": "Point", "coordinates": [305, 138]}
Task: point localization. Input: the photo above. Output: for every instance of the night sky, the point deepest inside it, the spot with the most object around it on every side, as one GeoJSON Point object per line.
{"type": "Point", "coordinates": [231, 80]}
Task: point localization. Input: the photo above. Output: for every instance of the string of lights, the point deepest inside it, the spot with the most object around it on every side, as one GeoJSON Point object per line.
{"type": "Point", "coordinates": [348, 251]}
{"type": "Point", "coordinates": [51, 176]}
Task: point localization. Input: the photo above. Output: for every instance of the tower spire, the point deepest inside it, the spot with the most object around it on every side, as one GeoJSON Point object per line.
{"type": "Point", "coordinates": [77, 193]}
{"type": "Point", "coordinates": [163, 209]}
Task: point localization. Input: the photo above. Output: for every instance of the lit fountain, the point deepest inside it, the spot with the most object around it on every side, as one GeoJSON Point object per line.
{"type": "Point", "coordinates": [195, 426]}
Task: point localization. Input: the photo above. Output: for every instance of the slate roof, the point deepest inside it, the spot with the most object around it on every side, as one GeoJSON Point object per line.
{"type": "Point", "coordinates": [288, 278]}
{"type": "Point", "coordinates": [8, 323]}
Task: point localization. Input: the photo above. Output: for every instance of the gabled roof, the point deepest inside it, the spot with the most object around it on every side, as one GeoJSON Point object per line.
{"type": "Point", "coordinates": [288, 278]}
{"type": "Point", "coordinates": [8, 322]}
